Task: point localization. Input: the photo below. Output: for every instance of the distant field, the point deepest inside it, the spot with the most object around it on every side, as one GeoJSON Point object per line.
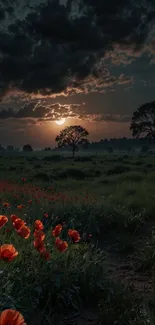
{"type": "Point", "coordinates": [110, 199]}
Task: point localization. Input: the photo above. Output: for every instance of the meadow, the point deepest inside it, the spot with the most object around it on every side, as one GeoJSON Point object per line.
{"type": "Point", "coordinates": [91, 259]}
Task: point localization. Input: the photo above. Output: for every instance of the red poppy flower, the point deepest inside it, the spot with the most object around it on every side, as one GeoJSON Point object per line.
{"type": "Point", "coordinates": [11, 317]}
{"type": "Point", "coordinates": [38, 225]}
{"type": "Point", "coordinates": [39, 245]}
{"type": "Point", "coordinates": [3, 220]}
{"type": "Point", "coordinates": [24, 232]}
{"type": "Point", "coordinates": [74, 235]}
{"type": "Point", "coordinates": [45, 254]}
{"type": "Point", "coordinates": [57, 230]}
{"type": "Point", "coordinates": [8, 252]}
{"type": "Point", "coordinates": [20, 206]}
{"type": "Point", "coordinates": [61, 245]}
{"type": "Point", "coordinates": [46, 215]}
{"type": "Point", "coordinates": [18, 223]}
{"type": "Point", "coordinates": [39, 234]}
{"type": "Point", "coordinates": [6, 205]}
{"type": "Point", "coordinates": [13, 217]}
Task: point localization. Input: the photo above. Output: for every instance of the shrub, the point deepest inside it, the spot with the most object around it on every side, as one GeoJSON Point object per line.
{"type": "Point", "coordinates": [42, 177]}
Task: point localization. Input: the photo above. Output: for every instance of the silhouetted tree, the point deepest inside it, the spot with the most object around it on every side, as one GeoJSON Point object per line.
{"type": "Point", "coordinates": [72, 136]}
{"type": "Point", "coordinates": [143, 121]}
{"type": "Point", "coordinates": [47, 149]}
{"type": "Point", "coordinates": [27, 147]}
{"type": "Point", "coordinates": [10, 147]}
{"type": "Point", "coordinates": [2, 148]}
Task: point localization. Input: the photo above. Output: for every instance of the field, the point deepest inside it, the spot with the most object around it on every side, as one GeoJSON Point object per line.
{"type": "Point", "coordinates": [104, 277]}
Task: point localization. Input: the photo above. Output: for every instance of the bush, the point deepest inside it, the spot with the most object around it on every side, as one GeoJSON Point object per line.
{"type": "Point", "coordinates": [54, 158]}
{"type": "Point", "coordinates": [42, 177]}
{"type": "Point", "coordinates": [73, 173]}
{"type": "Point", "coordinates": [83, 159]}
{"type": "Point", "coordinates": [117, 169]}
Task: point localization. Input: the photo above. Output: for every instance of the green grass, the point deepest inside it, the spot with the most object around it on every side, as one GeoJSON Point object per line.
{"type": "Point", "coordinates": [112, 198]}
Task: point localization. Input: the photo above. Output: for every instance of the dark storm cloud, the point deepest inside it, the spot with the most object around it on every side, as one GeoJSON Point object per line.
{"type": "Point", "coordinates": [53, 50]}
{"type": "Point", "coordinates": [40, 111]}
{"type": "Point", "coordinates": [36, 112]}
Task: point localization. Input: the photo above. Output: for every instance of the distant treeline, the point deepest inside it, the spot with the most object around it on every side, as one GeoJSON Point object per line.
{"type": "Point", "coordinates": [128, 144]}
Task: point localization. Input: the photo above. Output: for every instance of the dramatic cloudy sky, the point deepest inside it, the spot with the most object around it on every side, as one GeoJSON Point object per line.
{"type": "Point", "coordinates": [89, 61]}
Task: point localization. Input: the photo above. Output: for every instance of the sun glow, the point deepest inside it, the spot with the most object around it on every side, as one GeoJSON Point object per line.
{"type": "Point", "coordinates": [61, 121]}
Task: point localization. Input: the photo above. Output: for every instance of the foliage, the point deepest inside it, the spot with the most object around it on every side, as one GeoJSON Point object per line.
{"type": "Point", "coordinates": [143, 121]}
{"type": "Point", "coordinates": [27, 147]}
{"type": "Point", "coordinates": [113, 213]}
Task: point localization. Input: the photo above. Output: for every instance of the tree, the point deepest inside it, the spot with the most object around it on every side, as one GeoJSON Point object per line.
{"type": "Point", "coordinates": [47, 149]}
{"type": "Point", "coordinates": [143, 121]}
{"type": "Point", "coordinates": [10, 147]}
{"type": "Point", "coordinates": [72, 136]}
{"type": "Point", "coordinates": [27, 147]}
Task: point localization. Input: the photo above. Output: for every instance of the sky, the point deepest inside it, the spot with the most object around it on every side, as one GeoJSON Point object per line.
{"type": "Point", "coordinates": [90, 62]}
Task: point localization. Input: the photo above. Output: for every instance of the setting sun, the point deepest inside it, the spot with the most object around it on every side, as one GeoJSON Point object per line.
{"type": "Point", "coordinates": [61, 121]}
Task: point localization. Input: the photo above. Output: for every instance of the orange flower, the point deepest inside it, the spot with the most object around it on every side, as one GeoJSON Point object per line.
{"type": "Point", "coordinates": [20, 206]}
{"type": "Point", "coordinates": [18, 223]}
{"type": "Point", "coordinates": [6, 205]}
{"type": "Point", "coordinates": [3, 220]}
{"type": "Point", "coordinates": [8, 253]}
{"type": "Point", "coordinates": [57, 230]}
{"type": "Point", "coordinates": [38, 225]}
{"type": "Point", "coordinates": [39, 245]}
{"type": "Point", "coordinates": [45, 254]}
{"type": "Point", "coordinates": [11, 317]}
{"type": "Point", "coordinates": [74, 235]}
{"type": "Point", "coordinates": [39, 234]}
{"type": "Point", "coordinates": [24, 232]}
{"type": "Point", "coordinates": [13, 217]}
{"type": "Point", "coordinates": [61, 245]}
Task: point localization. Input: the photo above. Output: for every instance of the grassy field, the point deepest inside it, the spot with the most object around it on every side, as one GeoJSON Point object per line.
{"type": "Point", "coordinates": [107, 277]}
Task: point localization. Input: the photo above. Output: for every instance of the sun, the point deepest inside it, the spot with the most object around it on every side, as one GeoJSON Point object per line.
{"type": "Point", "coordinates": [61, 121]}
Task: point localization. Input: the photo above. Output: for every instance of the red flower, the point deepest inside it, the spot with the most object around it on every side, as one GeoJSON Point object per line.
{"type": "Point", "coordinates": [39, 245]}
{"type": "Point", "coordinates": [8, 253]}
{"type": "Point", "coordinates": [24, 232]}
{"type": "Point", "coordinates": [38, 225]}
{"type": "Point", "coordinates": [18, 223]}
{"type": "Point", "coordinates": [20, 206]}
{"type": "Point", "coordinates": [46, 215]}
{"type": "Point", "coordinates": [74, 235]}
{"type": "Point", "coordinates": [30, 202]}
{"type": "Point", "coordinates": [6, 205]}
{"type": "Point", "coordinates": [11, 317]}
{"type": "Point", "coordinates": [39, 234]}
{"type": "Point", "coordinates": [61, 245]}
{"type": "Point", "coordinates": [13, 217]}
{"type": "Point", "coordinates": [57, 230]}
{"type": "Point", "coordinates": [23, 179]}
{"type": "Point", "coordinates": [3, 220]}
{"type": "Point", "coordinates": [45, 254]}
